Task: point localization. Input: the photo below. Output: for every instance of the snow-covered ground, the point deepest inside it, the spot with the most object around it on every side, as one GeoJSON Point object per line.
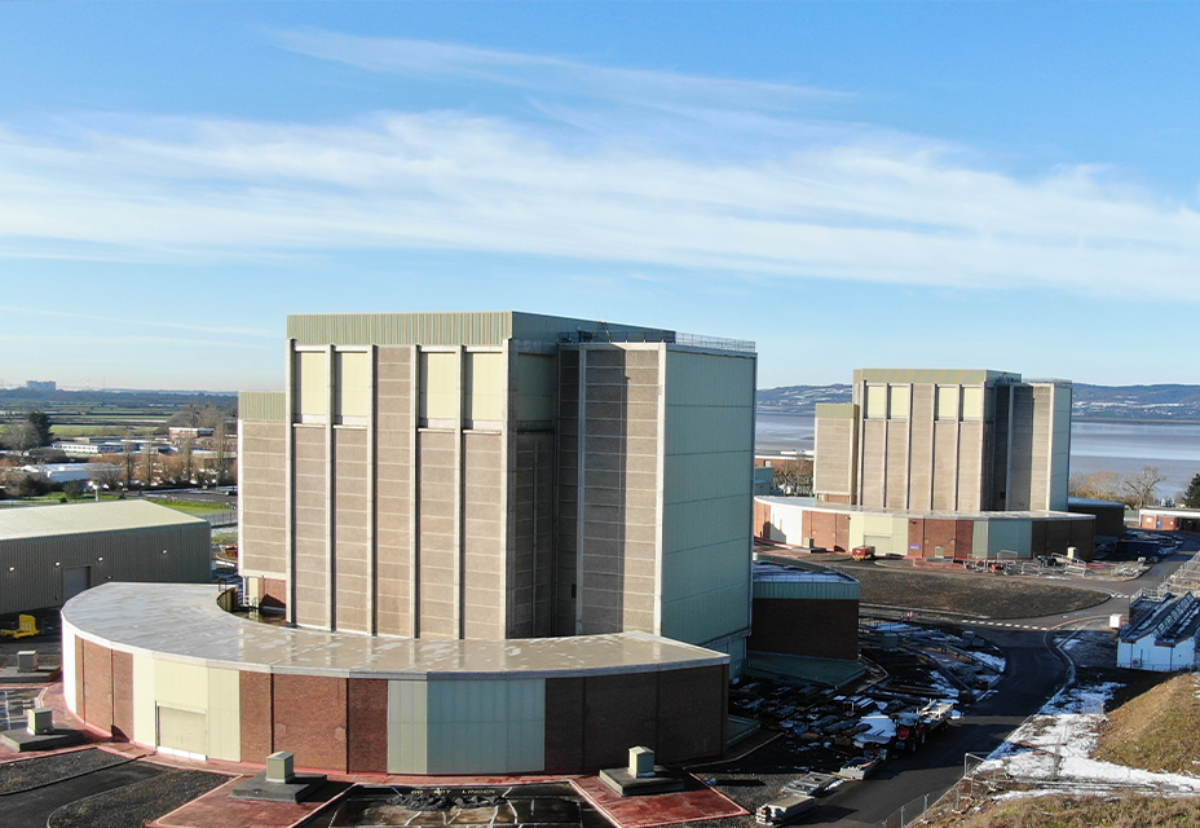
{"type": "Point", "coordinates": [1055, 746]}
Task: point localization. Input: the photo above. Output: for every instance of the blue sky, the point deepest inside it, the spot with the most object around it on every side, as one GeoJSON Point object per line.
{"type": "Point", "coordinates": [999, 185]}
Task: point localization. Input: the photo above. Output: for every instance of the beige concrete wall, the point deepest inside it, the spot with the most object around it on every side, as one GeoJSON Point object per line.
{"type": "Point", "coordinates": [836, 457]}
{"type": "Point", "coordinates": [310, 525]}
{"type": "Point", "coordinates": [896, 492]}
{"type": "Point", "coordinates": [395, 488]}
{"type": "Point", "coordinates": [437, 521]}
{"type": "Point", "coordinates": [970, 466]}
{"type": "Point", "coordinates": [262, 519]}
{"type": "Point", "coordinates": [351, 529]}
{"type": "Point", "coordinates": [484, 601]}
{"type": "Point", "coordinates": [921, 474]}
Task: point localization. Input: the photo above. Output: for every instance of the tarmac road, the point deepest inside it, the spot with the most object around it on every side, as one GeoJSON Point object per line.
{"type": "Point", "coordinates": [1034, 672]}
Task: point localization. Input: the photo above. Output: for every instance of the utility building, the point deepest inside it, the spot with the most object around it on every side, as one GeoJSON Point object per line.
{"type": "Point", "coordinates": [49, 554]}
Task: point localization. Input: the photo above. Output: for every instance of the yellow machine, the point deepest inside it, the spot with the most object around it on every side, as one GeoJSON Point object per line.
{"type": "Point", "coordinates": [27, 625]}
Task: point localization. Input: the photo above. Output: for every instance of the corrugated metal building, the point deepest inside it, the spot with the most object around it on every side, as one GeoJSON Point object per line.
{"type": "Point", "coordinates": [48, 554]}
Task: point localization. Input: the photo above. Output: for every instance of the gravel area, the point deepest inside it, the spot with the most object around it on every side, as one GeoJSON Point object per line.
{"type": "Point", "coordinates": [972, 595]}
{"type": "Point", "coordinates": [132, 806]}
{"type": "Point", "coordinates": [45, 770]}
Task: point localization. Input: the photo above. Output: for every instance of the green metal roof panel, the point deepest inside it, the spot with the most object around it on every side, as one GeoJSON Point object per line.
{"type": "Point", "coordinates": [837, 411]}
{"type": "Point", "coordinates": [262, 405]}
{"type": "Point", "coordinates": [479, 328]}
{"type": "Point", "coordinates": [81, 518]}
{"type": "Point", "coordinates": [946, 376]}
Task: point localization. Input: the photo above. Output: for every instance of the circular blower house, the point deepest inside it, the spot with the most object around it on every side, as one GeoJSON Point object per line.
{"type": "Point", "coordinates": [164, 666]}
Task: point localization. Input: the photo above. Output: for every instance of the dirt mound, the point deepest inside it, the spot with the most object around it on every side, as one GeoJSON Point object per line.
{"type": "Point", "coordinates": [1157, 730]}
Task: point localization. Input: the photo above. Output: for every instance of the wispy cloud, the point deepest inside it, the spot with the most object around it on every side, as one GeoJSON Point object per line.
{"type": "Point", "coordinates": [543, 74]}
{"type": "Point", "coordinates": [151, 323]}
{"type": "Point", "coordinates": [827, 202]}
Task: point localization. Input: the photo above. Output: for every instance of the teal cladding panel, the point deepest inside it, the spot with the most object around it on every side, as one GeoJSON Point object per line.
{"type": "Point", "coordinates": [486, 726]}
{"type": "Point", "coordinates": [808, 590]}
{"type": "Point", "coordinates": [707, 495]}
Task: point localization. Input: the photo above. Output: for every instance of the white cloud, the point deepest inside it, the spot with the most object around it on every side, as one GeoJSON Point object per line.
{"type": "Point", "coordinates": [541, 74]}
{"type": "Point", "coordinates": [828, 201]}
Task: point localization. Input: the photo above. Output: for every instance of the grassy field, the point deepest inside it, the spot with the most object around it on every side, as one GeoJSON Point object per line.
{"type": "Point", "coordinates": [1157, 730]}
{"type": "Point", "coordinates": [192, 508]}
{"type": "Point", "coordinates": [69, 432]}
{"type": "Point", "coordinates": [1058, 811]}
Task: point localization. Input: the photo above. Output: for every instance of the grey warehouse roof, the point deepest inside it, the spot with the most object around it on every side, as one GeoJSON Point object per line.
{"type": "Point", "coordinates": [82, 518]}
{"type": "Point", "coordinates": [182, 622]}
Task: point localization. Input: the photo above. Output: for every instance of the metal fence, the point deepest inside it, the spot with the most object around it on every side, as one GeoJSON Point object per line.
{"type": "Point", "coordinates": [227, 518]}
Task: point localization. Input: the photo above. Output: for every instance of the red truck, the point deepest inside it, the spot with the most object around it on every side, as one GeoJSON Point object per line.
{"type": "Point", "coordinates": [863, 553]}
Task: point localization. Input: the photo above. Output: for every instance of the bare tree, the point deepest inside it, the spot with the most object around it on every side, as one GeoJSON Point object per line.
{"type": "Point", "coordinates": [105, 471]}
{"type": "Point", "coordinates": [1141, 488]}
{"type": "Point", "coordinates": [1100, 485]}
{"type": "Point", "coordinates": [22, 436]}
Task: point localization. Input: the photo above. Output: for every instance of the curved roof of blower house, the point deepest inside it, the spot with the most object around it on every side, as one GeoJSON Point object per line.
{"type": "Point", "coordinates": [182, 622]}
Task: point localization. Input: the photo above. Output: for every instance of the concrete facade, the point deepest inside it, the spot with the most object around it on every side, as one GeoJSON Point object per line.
{"type": "Point", "coordinates": [491, 476]}
{"type": "Point", "coordinates": [946, 440]}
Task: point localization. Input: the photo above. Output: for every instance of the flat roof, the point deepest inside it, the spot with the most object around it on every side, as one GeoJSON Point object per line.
{"type": "Point", "coordinates": [182, 622]}
{"type": "Point", "coordinates": [845, 508]}
{"type": "Point", "coordinates": [769, 571]}
{"type": "Point", "coordinates": [1171, 512]}
{"type": "Point", "coordinates": [83, 518]}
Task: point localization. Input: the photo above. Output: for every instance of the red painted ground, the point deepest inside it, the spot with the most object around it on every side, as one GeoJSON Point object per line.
{"type": "Point", "coordinates": [657, 809]}
{"type": "Point", "coordinates": [217, 810]}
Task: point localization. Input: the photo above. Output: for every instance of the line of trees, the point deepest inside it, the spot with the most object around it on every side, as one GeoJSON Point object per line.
{"type": "Point", "coordinates": [1136, 489]}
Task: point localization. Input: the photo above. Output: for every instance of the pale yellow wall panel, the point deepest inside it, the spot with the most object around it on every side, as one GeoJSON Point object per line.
{"type": "Point", "coordinates": [353, 383]}
{"type": "Point", "coordinates": [439, 386]}
{"type": "Point", "coordinates": [876, 408]}
{"type": "Point", "coordinates": [224, 714]}
{"type": "Point", "coordinates": [408, 729]}
{"type": "Point", "coordinates": [948, 402]}
{"type": "Point", "coordinates": [311, 394]}
{"type": "Point", "coordinates": [145, 721]}
{"type": "Point", "coordinates": [485, 385]}
{"type": "Point", "coordinates": [181, 685]}
{"type": "Point", "coordinates": [972, 403]}
{"type": "Point", "coordinates": [898, 401]}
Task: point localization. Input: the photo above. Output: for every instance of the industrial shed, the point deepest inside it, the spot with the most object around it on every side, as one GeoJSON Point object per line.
{"type": "Point", "coordinates": [48, 554]}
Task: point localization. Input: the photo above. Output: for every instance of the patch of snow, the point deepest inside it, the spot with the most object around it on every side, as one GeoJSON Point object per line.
{"type": "Point", "coordinates": [994, 663]}
{"type": "Point", "coordinates": [1056, 746]}
{"type": "Point", "coordinates": [882, 729]}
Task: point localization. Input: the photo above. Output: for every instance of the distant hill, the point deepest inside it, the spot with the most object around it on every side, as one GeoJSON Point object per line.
{"type": "Point", "coordinates": [1092, 402]}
